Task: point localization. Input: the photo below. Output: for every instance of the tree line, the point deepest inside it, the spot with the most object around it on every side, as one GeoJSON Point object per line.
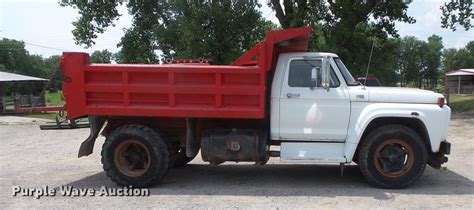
{"type": "Point", "coordinates": [405, 61]}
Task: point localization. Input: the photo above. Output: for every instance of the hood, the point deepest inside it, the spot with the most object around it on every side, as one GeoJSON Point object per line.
{"type": "Point", "coordinates": [402, 95]}
{"type": "Point", "coordinates": [395, 95]}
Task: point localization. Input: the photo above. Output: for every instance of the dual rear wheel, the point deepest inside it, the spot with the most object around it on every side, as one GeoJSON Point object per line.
{"type": "Point", "coordinates": [137, 156]}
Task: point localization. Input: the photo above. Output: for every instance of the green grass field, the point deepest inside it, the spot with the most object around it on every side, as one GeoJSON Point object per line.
{"type": "Point", "coordinates": [53, 99]}
{"type": "Point", "coordinates": [461, 103]}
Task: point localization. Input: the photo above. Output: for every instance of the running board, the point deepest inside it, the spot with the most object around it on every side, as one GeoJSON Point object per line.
{"type": "Point", "coordinates": [312, 152]}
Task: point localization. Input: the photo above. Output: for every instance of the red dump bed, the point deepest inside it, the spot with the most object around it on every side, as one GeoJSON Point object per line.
{"type": "Point", "coordinates": [177, 90]}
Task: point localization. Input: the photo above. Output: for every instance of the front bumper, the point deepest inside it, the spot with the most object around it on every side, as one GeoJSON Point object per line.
{"type": "Point", "coordinates": [437, 159]}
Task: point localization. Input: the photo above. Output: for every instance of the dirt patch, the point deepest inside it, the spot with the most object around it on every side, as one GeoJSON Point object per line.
{"type": "Point", "coordinates": [14, 120]}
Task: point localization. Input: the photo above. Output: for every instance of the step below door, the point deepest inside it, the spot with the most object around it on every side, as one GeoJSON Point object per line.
{"type": "Point", "coordinates": [312, 152]}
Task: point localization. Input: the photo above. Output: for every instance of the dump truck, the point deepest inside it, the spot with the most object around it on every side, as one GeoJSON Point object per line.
{"type": "Point", "coordinates": [276, 100]}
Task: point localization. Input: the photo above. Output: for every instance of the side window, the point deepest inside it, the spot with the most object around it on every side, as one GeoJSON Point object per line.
{"type": "Point", "coordinates": [299, 74]}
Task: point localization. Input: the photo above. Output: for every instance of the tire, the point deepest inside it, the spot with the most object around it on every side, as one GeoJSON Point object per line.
{"type": "Point", "coordinates": [392, 156]}
{"type": "Point", "coordinates": [180, 159]}
{"type": "Point", "coordinates": [135, 155]}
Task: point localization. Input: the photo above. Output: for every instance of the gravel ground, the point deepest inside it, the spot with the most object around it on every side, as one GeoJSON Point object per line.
{"type": "Point", "coordinates": [32, 158]}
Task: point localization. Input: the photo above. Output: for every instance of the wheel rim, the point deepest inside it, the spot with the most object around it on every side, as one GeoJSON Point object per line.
{"type": "Point", "coordinates": [132, 158]}
{"type": "Point", "coordinates": [394, 158]}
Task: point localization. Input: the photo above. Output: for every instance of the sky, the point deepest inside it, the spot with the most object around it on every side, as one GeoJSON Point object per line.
{"type": "Point", "coordinates": [47, 24]}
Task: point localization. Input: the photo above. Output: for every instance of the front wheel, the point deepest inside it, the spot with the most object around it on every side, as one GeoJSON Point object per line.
{"type": "Point", "coordinates": [392, 156]}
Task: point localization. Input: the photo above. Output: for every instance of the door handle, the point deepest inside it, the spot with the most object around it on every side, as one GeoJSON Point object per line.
{"type": "Point", "coordinates": [292, 95]}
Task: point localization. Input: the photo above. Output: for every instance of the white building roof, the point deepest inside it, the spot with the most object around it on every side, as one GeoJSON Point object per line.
{"type": "Point", "coordinates": [461, 72]}
{"type": "Point", "coordinates": [11, 77]}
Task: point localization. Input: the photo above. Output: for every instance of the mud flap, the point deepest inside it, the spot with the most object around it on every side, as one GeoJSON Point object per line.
{"type": "Point", "coordinates": [437, 159]}
{"type": "Point", "coordinates": [96, 124]}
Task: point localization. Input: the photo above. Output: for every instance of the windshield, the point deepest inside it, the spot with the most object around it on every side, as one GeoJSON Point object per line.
{"type": "Point", "coordinates": [345, 73]}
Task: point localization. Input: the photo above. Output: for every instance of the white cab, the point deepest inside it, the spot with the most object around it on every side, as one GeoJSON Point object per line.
{"type": "Point", "coordinates": [321, 125]}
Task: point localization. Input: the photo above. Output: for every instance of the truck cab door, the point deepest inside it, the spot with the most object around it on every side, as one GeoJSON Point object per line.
{"type": "Point", "coordinates": [308, 111]}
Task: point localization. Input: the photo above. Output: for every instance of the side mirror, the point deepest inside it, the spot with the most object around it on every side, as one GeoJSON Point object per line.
{"type": "Point", "coordinates": [325, 77]}
{"type": "Point", "coordinates": [315, 75]}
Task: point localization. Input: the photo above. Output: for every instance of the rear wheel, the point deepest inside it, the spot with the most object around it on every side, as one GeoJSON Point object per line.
{"type": "Point", "coordinates": [392, 156]}
{"type": "Point", "coordinates": [135, 155]}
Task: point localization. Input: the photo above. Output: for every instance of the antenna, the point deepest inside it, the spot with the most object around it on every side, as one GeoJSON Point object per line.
{"type": "Point", "coordinates": [370, 59]}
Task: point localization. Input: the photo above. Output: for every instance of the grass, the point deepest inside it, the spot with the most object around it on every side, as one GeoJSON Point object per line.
{"type": "Point", "coordinates": [461, 103]}
{"type": "Point", "coordinates": [53, 99]}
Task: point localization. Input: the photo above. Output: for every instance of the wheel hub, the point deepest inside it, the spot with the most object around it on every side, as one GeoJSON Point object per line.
{"type": "Point", "coordinates": [393, 158]}
{"type": "Point", "coordinates": [132, 158]}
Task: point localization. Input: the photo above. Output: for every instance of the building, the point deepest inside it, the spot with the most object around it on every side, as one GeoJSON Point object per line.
{"type": "Point", "coordinates": [15, 79]}
{"type": "Point", "coordinates": [460, 81]}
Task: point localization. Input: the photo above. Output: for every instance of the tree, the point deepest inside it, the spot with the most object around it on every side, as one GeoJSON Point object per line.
{"type": "Point", "coordinates": [15, 58]}
{"type": "Point", "coordinates": [349, 29]}
{"type": "Point", "coordinates": [456, 59]}
{"type": "Point", "coordinates": [449, 60]}
{"type": "Point", "coordinates": [218, 30]}
{"type": "Point", "coordinates": [433, 61]}
{"type": "Point", "coordinates": [136, 47]}
{"type": "Point", "coordinates": [420, 61]}
{"type": "Point", "coordinates": [346, 12]}
{"type": "Point", "coordinates": [95, 17]}
{"type": "Point", "coordinates": [52, 64]}
{"type": "Point", "coordinates": [103, 56]}
{"type": "Point", "coordinates": [383, 62]}
{"type": "Point", "coordinates": [410, 61]}
{"type": "Point", "coordinates": [298, 13]}
{"type": "Point", "coordinates": [457, 12]}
